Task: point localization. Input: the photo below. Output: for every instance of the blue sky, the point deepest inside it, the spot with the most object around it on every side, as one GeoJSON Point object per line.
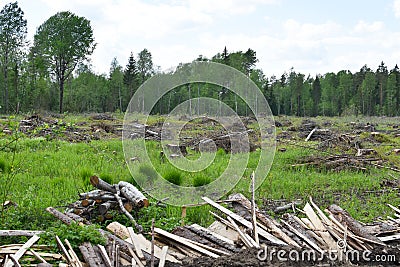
{"type": "Point", "coordinates": [310, 36]}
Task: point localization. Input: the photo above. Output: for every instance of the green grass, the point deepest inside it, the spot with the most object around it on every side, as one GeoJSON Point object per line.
{"type": "Point", "coordinates": [37, 173]}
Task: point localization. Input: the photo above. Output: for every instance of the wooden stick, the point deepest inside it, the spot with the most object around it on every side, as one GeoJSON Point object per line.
{"type": "Point", "coordinates": [104, 254]}
{"type": "Point", "coordinates": [163, 256]}
{"type": "Point", "coordinates": [64, 250]}
{"type": "Point", "coordinates": [253, 209]}
{"type": "Point", "coordinates": [138, 261]}
{"type": "Point", "coordinates": [244, 238]}
{"type": "Point", "coordinates": [37, 256]}
{"type": "Point", "coordinates": [73, 254]}
{"type": "Point", "coordinates": [121, 206]}
{"type": "Point", "coordinates": [312, 244]}
{"type": "Point", "coordinates": [152, 243]}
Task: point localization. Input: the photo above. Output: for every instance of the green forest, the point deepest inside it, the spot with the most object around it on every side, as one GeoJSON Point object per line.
{"type": "Point", "coordinates": [53, 73]}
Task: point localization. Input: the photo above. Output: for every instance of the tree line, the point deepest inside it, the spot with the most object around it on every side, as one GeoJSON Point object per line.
{"type": "Point", "coordinates": [54, 74]}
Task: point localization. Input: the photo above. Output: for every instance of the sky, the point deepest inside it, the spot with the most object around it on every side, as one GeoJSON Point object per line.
{"type": "Point", "coordinates": [312, 36]}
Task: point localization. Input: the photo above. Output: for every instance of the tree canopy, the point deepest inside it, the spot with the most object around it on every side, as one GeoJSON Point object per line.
{"type": "Point", "coordinates": [63, 41]}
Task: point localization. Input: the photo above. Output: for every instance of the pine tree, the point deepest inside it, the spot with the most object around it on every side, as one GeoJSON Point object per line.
{"type": "Point", "coordinates": [131, 76]}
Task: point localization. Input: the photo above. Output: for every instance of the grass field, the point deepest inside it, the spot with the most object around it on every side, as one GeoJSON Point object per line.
{"type": "Point", "coordinates": [38, 172]}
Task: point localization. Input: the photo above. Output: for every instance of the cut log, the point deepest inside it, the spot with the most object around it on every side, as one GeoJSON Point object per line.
{"type": "Point", "coordinates": [102, 185]}
{"type": "Point", "coordinates": [19, 233]}
{"type": "Point", "coordinates": [90, 255]}
{"type": "Point", "coordinates": [131, 193]}
{"type": "Point", "coordinates": [344, 217]}
{"type": "Point", "coordinates": [59, 215]}
{"type": "Point", "coordinates": [213, 237]}
{"type": "Point", "coordinates": [185, 242]}
{"type": "Point", "coordinates": [106, 206]}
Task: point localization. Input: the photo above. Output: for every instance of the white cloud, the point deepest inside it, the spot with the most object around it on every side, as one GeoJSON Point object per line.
{"type": "Point", "coordinates": [363, 26]}
{"type": "Point", "coordinates": [396, 8]}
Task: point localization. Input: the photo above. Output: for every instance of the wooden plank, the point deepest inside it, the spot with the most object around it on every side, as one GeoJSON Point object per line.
{"type": "Point", "coordinates": [322, 215]}
{"type": "Point", "coordinates": [247, 242]}
{"type": "Point", "coordinates": [394, 208]}
{"type": "Point", "coordinates": [164, 252]}
{"type": "Point", "coordinates": [74, 257]}
{"type": "Point", "coordinates": [22, 250]}
{"type": "Point", "coordinates": [319, 227]}
{"type": "Point", "coordinates": [145, 245]}
{"type": "Point", "coordinates": [308, 241]}
{"type": "Point", "coordinates": [224, 231]}
{"type": "Point", "coordinates": [104, 254]}
{"type": "Point", "coordinates": [389, 238]}
{"type": "Point", "coordinates": [135, 243]}
{"type": "Point", "coordinates": [184, 241]}
{"type": "Point", "coordinates": [137, 260]}
{"type": "Point", "coordinates": [229, 213]}
{"type": "Point", "coordinates": [244, 222]}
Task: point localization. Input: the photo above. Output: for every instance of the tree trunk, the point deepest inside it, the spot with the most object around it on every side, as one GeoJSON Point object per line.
{"type": "Point", "coordinates": [6, 81]}
{"type": "Point", "coordinates": [61, 94]}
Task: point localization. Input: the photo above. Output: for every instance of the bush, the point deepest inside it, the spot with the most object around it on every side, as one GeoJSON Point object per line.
{"type": "Point", "coordinates": [174, 177]}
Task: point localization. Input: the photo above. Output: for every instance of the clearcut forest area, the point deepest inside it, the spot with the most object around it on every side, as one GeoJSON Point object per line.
{"type": "Point", "coordinates": [50, 160]}
{"type": "Point", "coordinates": [68, 198]}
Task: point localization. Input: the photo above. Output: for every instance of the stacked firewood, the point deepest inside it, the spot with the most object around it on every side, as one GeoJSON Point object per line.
{"type": "Point", "coordinates": [97, 205]}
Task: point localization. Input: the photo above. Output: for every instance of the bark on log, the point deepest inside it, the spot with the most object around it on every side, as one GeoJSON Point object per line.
{"type": "Point", "coordinates": [102, 185]}
{"type": "Point", "coordinates": [106, 206]}
{"type": "Point", "coordinates": [59, 215]}
{"type": "Point", "coordinates": [345, 218]}
{"type": "Point", "coordinates": [19, 233]}
{"type": "Point", "coordinates": [131, 193]}
{"type": "Point", "coordinates": [210, 237]}
{"type": "Point", "coordinates": [90, 255]}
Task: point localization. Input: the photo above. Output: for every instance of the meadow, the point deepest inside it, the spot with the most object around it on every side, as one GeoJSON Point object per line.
{"type": "Point", "coordinates": [40, 171]}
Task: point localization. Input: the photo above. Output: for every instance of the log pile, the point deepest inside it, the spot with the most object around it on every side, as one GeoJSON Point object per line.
{"type": "Point", "coordinates": [98, 205]}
